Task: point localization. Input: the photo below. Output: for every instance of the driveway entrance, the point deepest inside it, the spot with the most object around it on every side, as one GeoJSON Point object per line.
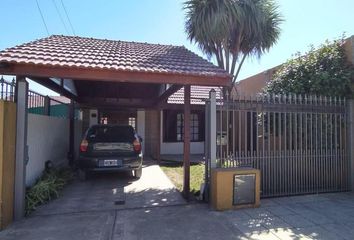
{"type": "Point", "coordinates": [110, 191]}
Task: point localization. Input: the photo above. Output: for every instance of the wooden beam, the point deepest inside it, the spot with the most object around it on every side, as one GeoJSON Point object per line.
{"type": "Point", "coordinates": [186, 141]}
{"type": "Point", "coordinates": [53, 86]}
{"type": "Point", "coordinates": [98, 74]}
{"type": "Point", "coordinates": [172, 106]}
{"type": "Point", "coordinates": [167, 93]}
{"type": "Point", "coordinates": [115, 102]}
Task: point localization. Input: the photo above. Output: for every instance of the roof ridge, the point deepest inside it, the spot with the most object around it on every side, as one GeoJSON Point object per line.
{"type": "Point", "coordinates": [112, 40]}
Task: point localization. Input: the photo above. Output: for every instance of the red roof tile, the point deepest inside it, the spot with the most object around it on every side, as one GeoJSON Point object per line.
{"type": "Point", "coordinates": [80, 52]}
{"type": "Point", "coordinates": [198, 95]}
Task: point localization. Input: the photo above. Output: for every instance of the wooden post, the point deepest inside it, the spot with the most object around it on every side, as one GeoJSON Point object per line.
{"type": "Point", "coordinates": [186, 140]}
{"type": "Point", "coordinates": [21, 147]}
{"type": "Point", "coordinates": [71, 154]}
{"type": "Point", "coordinates": [158, 146]}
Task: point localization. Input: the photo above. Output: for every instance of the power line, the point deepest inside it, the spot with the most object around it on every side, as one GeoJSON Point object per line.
{"type": "Point", "coordinates": [40, 11]}
{"type": "Point", "coordinates": [61, 18]}
{"type": "Point", "coordinates": [67, 16]}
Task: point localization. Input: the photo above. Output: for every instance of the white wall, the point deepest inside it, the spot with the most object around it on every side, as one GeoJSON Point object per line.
{"type": "Point", "coordinates": [177, 147]}
{"type": "Point", "coordinates": [48, 139]}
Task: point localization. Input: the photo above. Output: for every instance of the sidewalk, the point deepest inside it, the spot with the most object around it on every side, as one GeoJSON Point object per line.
{"type": "Point", "coordinates": [151, 208]}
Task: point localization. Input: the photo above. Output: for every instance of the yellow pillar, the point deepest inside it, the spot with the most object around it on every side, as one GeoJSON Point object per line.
{"type": "Point", "coordinates": [7, 161]}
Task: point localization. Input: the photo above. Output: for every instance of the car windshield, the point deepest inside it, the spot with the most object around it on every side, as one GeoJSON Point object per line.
{"type": "Point", "coordinates": [110, 134]}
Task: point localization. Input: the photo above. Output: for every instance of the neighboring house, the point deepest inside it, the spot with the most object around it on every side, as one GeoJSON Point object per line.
{"type": "Point", "coordinates": [253, 85]}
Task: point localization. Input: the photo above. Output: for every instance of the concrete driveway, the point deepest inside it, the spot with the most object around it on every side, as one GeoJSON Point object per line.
{"type": "Point", "coordinates": [118, 207]}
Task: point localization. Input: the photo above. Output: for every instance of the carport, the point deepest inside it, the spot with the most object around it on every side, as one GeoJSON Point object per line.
{"type": "Point", "coordinates": [105, 75]}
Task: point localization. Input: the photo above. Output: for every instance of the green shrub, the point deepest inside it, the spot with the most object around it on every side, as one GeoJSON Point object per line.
{"type": "Point", "coordinates": [323, 71]}
{"type": "Point", "coordinates": [47, 187]}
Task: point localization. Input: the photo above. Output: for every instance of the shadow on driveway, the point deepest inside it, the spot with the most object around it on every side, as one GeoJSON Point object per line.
{"type": "Point", "coordinates": [111, 191]}
{"type": "Point", "coordinates": [88, 209]}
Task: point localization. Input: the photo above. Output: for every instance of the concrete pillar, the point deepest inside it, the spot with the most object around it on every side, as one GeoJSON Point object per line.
{"type": "Point", "coordinates": [47, 106]}
{"type": "Point", "coordinates": [21, 147]}
{"type": "Point", "coordinates": [212, 128]}
{"type": "Point", "coordinates": [141, 126]}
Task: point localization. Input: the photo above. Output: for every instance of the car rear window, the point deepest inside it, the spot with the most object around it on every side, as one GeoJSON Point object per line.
{"type": "Point", "coordinates": [110, 134]}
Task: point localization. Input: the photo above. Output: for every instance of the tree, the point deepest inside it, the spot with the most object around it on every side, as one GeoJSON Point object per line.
{"type": "Point", "coordinates": [323, 71]}
{"type": "Point", "coordinates": [231, 30]}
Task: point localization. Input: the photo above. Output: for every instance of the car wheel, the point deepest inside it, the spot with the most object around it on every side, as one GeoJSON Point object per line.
{"type": "Point", "coordinates": [138, 172]}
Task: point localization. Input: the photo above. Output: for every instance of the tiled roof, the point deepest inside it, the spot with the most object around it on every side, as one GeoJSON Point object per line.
{"type": "Point", "coordinates": [81, 52]}
{"type": "Point", "coordinates": [198, 95]}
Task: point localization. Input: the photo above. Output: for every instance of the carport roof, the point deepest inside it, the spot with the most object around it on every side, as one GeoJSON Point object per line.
{"type": "Point", "coordinates": [109, 60]}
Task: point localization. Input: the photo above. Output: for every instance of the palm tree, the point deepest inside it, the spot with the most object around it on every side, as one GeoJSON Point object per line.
{"type": "Point", "coordinates": [231, 30]}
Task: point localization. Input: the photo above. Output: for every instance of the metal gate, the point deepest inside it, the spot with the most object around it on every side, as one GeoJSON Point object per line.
{"type": "Point", "coordinates": [298, 142]}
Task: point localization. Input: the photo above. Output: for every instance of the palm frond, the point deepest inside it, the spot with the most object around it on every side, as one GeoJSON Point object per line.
{"type": "Point", "coordinates": [227, 29]}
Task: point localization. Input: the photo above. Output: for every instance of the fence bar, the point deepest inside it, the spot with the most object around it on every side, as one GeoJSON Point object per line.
{"type": "Point", "coordinates": [298, 142]}
{"type": "Point", "coordinates": [350, 136]}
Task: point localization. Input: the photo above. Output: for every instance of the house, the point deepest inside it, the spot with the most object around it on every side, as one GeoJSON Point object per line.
{"type": "Point", "coordinates": [165, 126]}
{"type": "Point", "coordinates": [122, 82]}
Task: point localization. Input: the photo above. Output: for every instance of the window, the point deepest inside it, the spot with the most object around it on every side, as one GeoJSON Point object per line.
{"type": "Point", "coordinates": [194, 127]}
{"type": "Point", "coordinates": [131, 122]}
{"type": "Point", "coordinates": [110, 134]}
{"type": "Point", "coordinates": [173, 126]}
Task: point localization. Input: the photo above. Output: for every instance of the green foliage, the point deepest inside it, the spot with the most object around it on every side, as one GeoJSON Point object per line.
{"type": "Point", "coordinates": [323, 71]}
{"type": "Point", "coordinates": [47, 187]}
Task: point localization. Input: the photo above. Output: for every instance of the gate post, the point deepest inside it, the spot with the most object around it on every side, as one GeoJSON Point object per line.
{"type": "Point", "coordinates": [212, 129]}
{"type": "Point", "coordinates": [21, 147]}
{"type": "Point", "coordinates": [350, 111]}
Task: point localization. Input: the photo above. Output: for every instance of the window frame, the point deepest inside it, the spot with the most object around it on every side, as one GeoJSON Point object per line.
{"type": "Point", "coordinates": [170, 126]}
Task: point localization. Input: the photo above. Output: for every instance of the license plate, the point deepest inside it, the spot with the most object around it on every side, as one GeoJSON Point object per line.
{"type": "Point", "coordinates": [112, 162]}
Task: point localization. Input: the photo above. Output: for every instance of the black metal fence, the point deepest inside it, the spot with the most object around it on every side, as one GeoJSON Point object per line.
{"type": "Point", "coordinates": [37, 103]}
{"type": "Point", "coordinates": [298, 142]}
{"type": "Point", "coordinates": [7, 89]}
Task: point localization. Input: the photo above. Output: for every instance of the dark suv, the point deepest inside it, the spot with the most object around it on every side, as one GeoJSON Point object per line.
{"type": "Point", "coordinates": [111, 148]}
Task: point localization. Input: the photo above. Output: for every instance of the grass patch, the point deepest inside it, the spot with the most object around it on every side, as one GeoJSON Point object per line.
{"type": "Point", "coordinates": [175, 172]}
{"type": "Point", "coordinates": [47, 187]}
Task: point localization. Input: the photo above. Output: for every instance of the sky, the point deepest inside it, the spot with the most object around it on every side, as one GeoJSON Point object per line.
{"type": "Point", "coordinates": [306, 22]}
